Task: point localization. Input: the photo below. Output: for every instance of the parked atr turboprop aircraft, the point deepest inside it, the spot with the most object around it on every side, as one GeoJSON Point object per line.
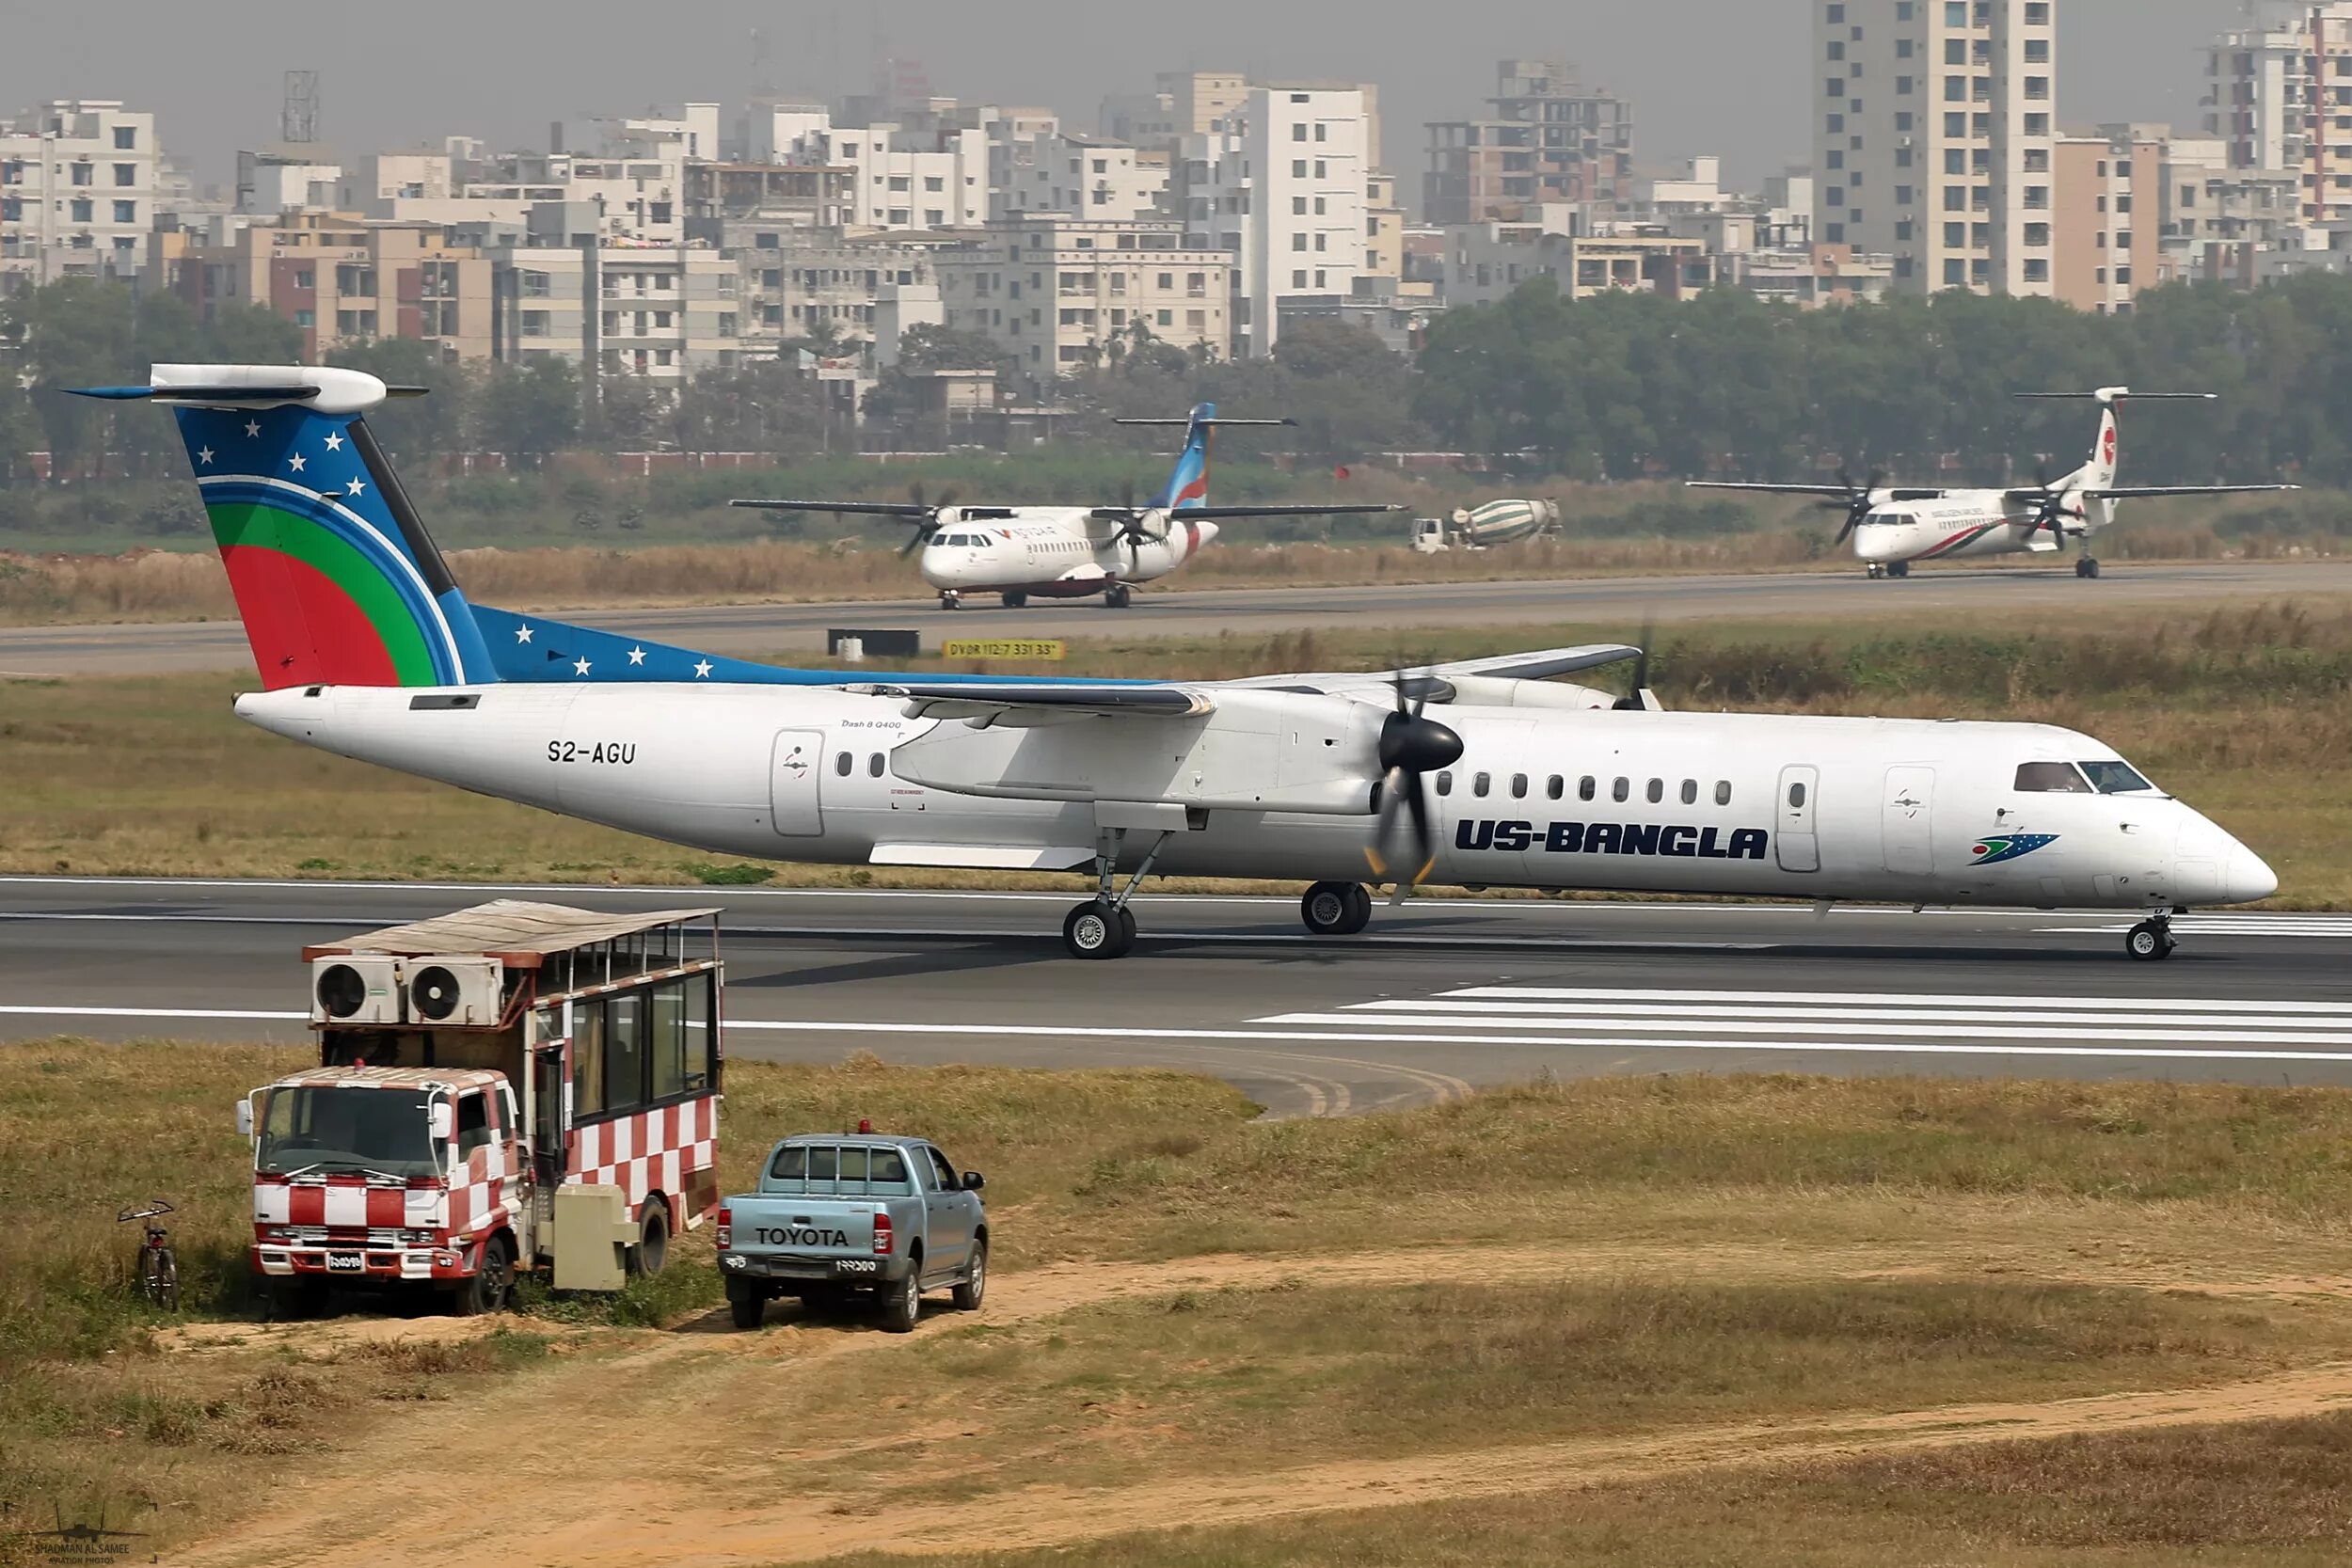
{"type": "Point", "coordinates": [1480, 772]}
{"type": "Point", "coordinates": [1891, 529]}
{"type": "Point", "coordinates": [1071, 552]}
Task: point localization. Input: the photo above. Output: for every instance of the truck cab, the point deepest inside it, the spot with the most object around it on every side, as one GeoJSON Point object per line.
{"type": "Point", "coordinates": [513, 1088]}
{"type": "Point", "coordinates": [836, 1215]}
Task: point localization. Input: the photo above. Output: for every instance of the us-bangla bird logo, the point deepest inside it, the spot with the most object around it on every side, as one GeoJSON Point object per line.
{"type": "Point", "coordinates": [2008, 846]}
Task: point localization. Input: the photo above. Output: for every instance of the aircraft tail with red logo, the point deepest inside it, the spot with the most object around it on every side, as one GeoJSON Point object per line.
{"type": "Point", "coordinates": [1187, 487]}
{"type": "Point", "coordinates": [2098, 473]}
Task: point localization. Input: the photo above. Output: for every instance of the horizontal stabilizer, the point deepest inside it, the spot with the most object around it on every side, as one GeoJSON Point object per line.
{"type": "Point", "coordinates": [321, 389]}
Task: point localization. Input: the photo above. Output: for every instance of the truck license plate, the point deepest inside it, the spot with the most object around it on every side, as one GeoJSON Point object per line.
{"type": "Point", "coordinates": [346, 1262]}
{"type": "Point", "coordinates": [855, 1265]}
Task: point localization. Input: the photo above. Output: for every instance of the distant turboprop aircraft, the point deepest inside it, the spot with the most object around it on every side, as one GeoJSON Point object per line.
{"type": "Point", "coordinates": [1071, 552]}
{"type": "Point", "coordinates": [1891, 529]}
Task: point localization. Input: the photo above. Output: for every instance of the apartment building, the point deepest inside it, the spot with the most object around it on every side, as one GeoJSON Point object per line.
{"type": "Point", "coordinates": [341, 280]}
{"type": "Point", "coordinates": [1284, 192]}
{"type": "Point", "coordinates": [1058, 293]}
{"type": "Point", "coordinates": [904, 179]}
{"type": "Point", "coordinates": [660, 311]}
{"type": "Point", "coordinates": [2279, 95]}
{"type": "Point", "coordinates": [78, 191]}
{"type": "Point", "coordinates": [1934, 138]}
{"type": "Point", "coordinates": [1486, 262]}
{"type": "Point", "coordinates": [799, 283]}
{"type": "Point", "coordinates": [1545, 142]}
{"type": "Point", "coordinates": [2212, 211]}
{"type": "Point", "coordinates": [2108, 216]}
{"type": "Point", "coordinates": [1079, 177]}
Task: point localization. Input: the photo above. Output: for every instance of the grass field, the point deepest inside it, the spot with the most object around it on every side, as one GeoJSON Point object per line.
{"type": "Point", "coordinates": [2243, 712]}
{"type": "Point", "coordinates": [1505, 1326]}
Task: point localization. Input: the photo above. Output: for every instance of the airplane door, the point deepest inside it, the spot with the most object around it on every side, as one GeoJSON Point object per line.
{"type": "Point", "coordinates": [1907, 821]}
{"type": "Point", "coordinates": [795, 779]}
{"type": "Point", "coordinates": [1798, 843]}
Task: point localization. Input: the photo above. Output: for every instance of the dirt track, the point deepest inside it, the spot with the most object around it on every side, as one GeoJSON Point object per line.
{"type": "Point", "coordinates": [626, 1458]}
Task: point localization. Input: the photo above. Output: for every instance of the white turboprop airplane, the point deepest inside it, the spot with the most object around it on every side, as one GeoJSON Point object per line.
{"type": "Point", "coordinates": [1071, 552]}
{"type": "Point", "coordinates": [1480, 772]}
{"type": "Point", "coordinates": [1891, 529]}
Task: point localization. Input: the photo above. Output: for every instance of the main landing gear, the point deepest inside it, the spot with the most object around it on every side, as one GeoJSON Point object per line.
{"type": "Point", "coordinates": [1015, 598]}
{"type": "Point", "coordinates": [1116, 597]}
{"type": "Point", "coordinates": [1890, 569]}
{"type": "Point", "coordinates": [2151, 940]}
{"type": "Point", "coordinates": [1336, 908]}
{"type": "Point", "coordinates": [1104, 927]}
{"type": "Point", "coordinates": [2086, 567]}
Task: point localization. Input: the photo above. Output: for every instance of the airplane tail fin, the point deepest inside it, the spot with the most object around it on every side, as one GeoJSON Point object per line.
{"type": "Point", "coordinates": [334, 574]}
{"type": "Point", "coordinates": [1188, 485]}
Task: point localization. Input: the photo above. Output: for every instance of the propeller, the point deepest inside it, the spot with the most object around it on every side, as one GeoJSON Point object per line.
{"type": "Point", "coordinates": [1857, 505]}
{"type": "Point", "coordinates": [2049, 507]}
{"type": "Point", "coordinates": [1130, 519]}
{"type": "Point", "coordinates": [926, 525]}
{"type": "Point", "coordinates": [1412, 745]}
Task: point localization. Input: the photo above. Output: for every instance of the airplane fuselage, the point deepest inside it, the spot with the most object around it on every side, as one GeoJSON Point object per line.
{"type": "Point", "coordinates": [1962, 524]}
{"type": "Point", "coordinates": [1054, 552]}
{"type": "Point", "coordinates": [1735, 805]}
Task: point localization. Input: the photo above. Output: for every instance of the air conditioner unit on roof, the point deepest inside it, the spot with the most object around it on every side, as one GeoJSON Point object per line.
{"type": "Point", "coordinates": [358, 988]}
{"type": "Point", "coordinates": [464, 991]}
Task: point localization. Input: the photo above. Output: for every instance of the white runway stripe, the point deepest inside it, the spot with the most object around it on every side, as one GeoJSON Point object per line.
{"type": "Point", "coordinates": [1886, 1027]}
{"type": "Point", "coordinates": [1500, 1010]}
{"type": "Point", "coordinates": [1895, 999]}
{"type": "Point", "coordinates": [2336, 927]}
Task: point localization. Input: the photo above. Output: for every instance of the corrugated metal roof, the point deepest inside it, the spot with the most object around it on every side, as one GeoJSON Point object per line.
{"type": "Point", "coordinates": [507, 927]}
{"type": "Point", "coordinates": [392, 1078]}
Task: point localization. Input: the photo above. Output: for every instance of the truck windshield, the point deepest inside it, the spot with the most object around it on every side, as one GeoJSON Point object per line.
{"type": "Point", "coordinates": [386, 1131]}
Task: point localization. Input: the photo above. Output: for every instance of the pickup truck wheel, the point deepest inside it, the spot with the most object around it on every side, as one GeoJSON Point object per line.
{"type": "Point", "coordinates": [653, 1241]}
{"type": "Point", "coordinates": [974, 1287]}
{"type": "Point", "coordinates": [902, 1303]}
{"type": "Point", "coordinates": [747, 1306]}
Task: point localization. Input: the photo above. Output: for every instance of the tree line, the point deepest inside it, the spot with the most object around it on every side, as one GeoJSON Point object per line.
{"type": "Point", "coordinates": [1611, 387]}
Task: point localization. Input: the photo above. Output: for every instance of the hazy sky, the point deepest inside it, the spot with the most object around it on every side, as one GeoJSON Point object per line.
{"type": "Point", "coordinates": [1731, 77]}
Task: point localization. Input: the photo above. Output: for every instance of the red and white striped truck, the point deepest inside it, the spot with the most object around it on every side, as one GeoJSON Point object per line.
{"type": "Point", "coordinates": [512, 1087]}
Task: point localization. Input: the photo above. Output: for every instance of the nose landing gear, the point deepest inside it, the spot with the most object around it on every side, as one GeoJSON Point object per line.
{"type": "Point", "coordinates": [1336, 908]}
{"type": "Point", "coordinates": [1104, 927]}
{"type": "Point", "coordinates": [1890, 569]}
{"type": "Point", "coordinates": [2087, 568]}
{"type": "Point", "coordinates": [2151, 940]}
{"type": "Point", "coordinates": [950, 600]}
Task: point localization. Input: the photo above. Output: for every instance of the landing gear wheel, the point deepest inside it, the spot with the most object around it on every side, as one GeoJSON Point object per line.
{"type": "Point", "coordinates": [973, 1290]}
{"type": "Point", "coordinates": [1116, 597]}
{"type": "Point", "coordinates": [653, 1241]}
{"type": "Point", "coordinates": [487, 1291]}
{"type": "Point", "coordinates": [950, 600]}
{"type": "Point", "coordinates": [2150, 942]}
{"type": "Point", "coordinates": [902, 1303]}
{"type": "Point", "coordinates": [2086, 567]}
{"type": "Point", "coordinates": [1336, 908]}
{"type": "Point", "coordinates": [1876, 571]}
{"type": "Point", "coordinates": [1098, 929]}
{"type": "Point", "coordinates": [1900, 569]}
{"type": "Point", "coordinates": [1014, 598]}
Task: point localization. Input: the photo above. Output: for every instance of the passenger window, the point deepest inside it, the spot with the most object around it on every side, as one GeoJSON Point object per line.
{"type": "Point", "coordinates": [1518, 786]}
{"type": "Point", "coordinates": [624, 1053]}
{"type": "Point", "coordinates": [887, 1166]}
{"type": "Point", "coordinates": [1722, 792]}
{"type": "Point", "coordinates": [1445, 783]}
{"type": "Point", "coordinates": [1556, 787]}
{"type": "Point", "coordinates": [587, 1058]}
{"type": "Point", "coordinates": [790, 1164]}
{"type": "Point", "coordinates": [853, 1165]}
{"type": "Point", "coordinates": [702, 1040]}
{"type": "Point", "coordinates": [874, 765]}
{"type": "Point", "coordinates": [1690, 792]}
{"type": "Point", "coordinates": [1481, 784]}
{"type": "Point", "coordinates": [1657, 790]}
{"type": "Point", "coordinates": [1796, 797]}
{"type": "Point", "coordinates": [1621, 790]}
{"type": "Point", "coordinates": [842, 764]}
{"type": "Point", "coordinates": [824, 1164]}
{"type": "Point", "coordinates": [2050, 777]}
{"type": "Point", "coordinates": [1586, 787]}
{"type": "Point", "coordinates": [668, 1045]}
{"type": "Point", "coordinates": [473, 1123]}
{"type": "Point", "coordinates": [949, 1180]}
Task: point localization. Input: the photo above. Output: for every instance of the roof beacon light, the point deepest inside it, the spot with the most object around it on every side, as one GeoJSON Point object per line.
{"type": "Point", "coordinates": [863, 1125]}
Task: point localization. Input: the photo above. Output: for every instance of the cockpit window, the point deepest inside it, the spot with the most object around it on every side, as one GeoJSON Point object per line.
{"type": "Point", "coordinates": [2117, 778]}
{"type": "Point", "coordinates": [2050, 777]}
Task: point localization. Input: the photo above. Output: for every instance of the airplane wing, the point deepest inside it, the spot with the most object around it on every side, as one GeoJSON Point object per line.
{"type": "Point", "coordinates": [1212, 512]}
{"type": "Point", "coordinates": [1535, 666]}
{"type": "Point", "coordinates": [2143, 491]}
{"type": "Point", "coordinates": [859, 508]}
{"type": "Point", "coordinates": [978, 699]}
{"type": "Point", "coordinates": [1835, 492]}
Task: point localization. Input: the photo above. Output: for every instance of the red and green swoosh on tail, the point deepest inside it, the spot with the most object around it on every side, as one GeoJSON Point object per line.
{"type": "Point", "coordinates": [317, 610]}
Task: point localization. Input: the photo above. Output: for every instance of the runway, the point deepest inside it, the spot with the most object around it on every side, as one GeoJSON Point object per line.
{"type": "Point", "coordinates": [1625, 603]}
{"type": "Point", "coordinates": [1437, 998]}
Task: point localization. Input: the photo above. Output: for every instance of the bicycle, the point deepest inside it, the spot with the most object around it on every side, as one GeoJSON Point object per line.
{"type": "Point", "coordinates": [158, 1269]}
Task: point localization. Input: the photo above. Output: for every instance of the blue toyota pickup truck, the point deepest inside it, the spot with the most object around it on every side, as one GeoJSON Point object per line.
{"type": "Point", "coordinates": [836, 1214]}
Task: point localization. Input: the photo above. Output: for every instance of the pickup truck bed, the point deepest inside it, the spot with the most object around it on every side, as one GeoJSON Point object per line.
{"type": "Point", "coordinates": [836, 1214]}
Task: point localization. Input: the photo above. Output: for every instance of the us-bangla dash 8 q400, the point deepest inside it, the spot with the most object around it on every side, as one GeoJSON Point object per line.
{"type": "Point", "coordinates": [1485, 772]}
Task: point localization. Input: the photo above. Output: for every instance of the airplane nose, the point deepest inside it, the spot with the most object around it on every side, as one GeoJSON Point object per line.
{"type": "Point", "coordinates": [2249, 879]}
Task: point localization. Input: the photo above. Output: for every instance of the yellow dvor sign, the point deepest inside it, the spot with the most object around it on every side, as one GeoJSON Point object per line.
{"type": "Point", "coordinates": [1004, 647]}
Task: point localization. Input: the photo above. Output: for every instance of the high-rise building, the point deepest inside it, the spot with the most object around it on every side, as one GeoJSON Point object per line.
{"type": "Point", "coordinates": [1548, 143]}
{"type": "Point", "coordinates": [2278, 94]}
{"type": "Point", "coordinates": [1934, 136]}
{"type": "Point", "coordinates": [78, 181]}
{"type": "Point", "coordinates": [2108, 216]}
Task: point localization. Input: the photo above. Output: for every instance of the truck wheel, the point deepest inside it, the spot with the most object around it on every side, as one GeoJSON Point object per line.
{"type": "Point", "coordinates": [487, 1291]}
{"type": "Point", "coordinates": [747, 1304]}
{"type": "Point", "coordinates": [902, 1303]}
{"type": "Point", "coordinates": [653, 1241]}
{"type": "Point", "coordinates": [974, 1287]}
{"type": "Point", "coordinates": [288, 1299]}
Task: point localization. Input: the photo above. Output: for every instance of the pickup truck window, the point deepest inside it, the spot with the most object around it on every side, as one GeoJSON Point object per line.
{"type": "Point", "coordinates": [828, 1170]}
{"type": "Point", "coordinates": [949, 1180]}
